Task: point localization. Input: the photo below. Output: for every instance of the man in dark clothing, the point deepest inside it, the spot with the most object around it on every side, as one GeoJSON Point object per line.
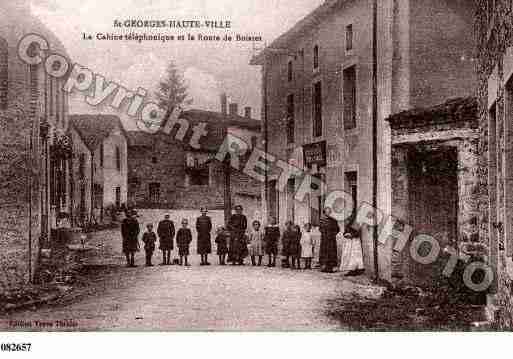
{"type": "Point", "coordinates": [329, 229]}
{"type": "Point", "coordinates": [130, 232]}
{"type": "Point", "coordinates": [204, 227]}
{"type": "Point", "coordinates": [166, 233]}
{"type": "Point", "coordinates": [237, 226]}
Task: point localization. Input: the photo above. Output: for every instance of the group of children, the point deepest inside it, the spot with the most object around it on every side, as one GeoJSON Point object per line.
{"type": "Point", "coordinates": [295, 244]}
{"type": "Point", "coordinates": [183, 241]}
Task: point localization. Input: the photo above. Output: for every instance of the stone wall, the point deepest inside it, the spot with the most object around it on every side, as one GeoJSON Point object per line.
{"type": "Point", "coordinates": [451, 126]}
{"type": "Point", "coordinates": [493, 30]}
{"type": "Point", "coordinates": [19, 233]}
{"type": "Point", "coordinates": [24, 105]}
{"type": "Point", "coordinates": [19, 169]}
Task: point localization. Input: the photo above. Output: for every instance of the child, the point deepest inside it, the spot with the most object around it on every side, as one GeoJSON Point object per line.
{"type": "Point", "coordinates": [307, 245]}
{"type": "Point", "coordinates": [149, 239]}
{"type": "Point", "coordinates": [256, 244]}
{"type": "Point", "coordinates": [288, 237]}
{"type": "Point", "coordinates": [271, 238]}
{"type": "Point", "coordinates": [183, 240]}
{"type": "Point", "coordinates": [242, 249]}
{"type": "Point", "coordinates": [222, 240]}
{"type": "Point", "coordinates": [295, 247]}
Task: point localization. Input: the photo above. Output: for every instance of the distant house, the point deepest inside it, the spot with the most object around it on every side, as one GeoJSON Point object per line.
{"type": "Point", "coordinates": [168, 172]}
{"type": "Point", "coordinates": [99, 168]}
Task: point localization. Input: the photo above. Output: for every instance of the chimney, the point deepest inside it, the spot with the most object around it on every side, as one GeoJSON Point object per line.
{"type": "Point", "coordinates": [234, 109]}
{"type": "Point", "coordinates": [247, 112]}
{"type": "Point", "coordinates": [224, 104]}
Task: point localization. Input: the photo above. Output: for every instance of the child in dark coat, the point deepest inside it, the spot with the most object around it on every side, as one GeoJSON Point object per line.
{"type": "Point", "coordinates": [288, 238]}
{"type": "Point", "coordinates": [271, 239]}
{"type": "Point", "coordinates": [149, 239]}
{"type": "Point", "coordinates": [183, 240]}
{"type": "Point", "coordinates": [222, 239]}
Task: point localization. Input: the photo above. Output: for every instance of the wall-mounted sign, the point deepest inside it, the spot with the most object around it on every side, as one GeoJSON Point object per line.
{"type": "Point", "coordinates": [315, 153]}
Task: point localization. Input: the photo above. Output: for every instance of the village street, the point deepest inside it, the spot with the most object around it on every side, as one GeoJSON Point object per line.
{"type": "Point", "coordinates": [192, 298]}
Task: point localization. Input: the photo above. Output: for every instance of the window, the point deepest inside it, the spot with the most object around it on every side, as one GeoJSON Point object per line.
{"type": "Point", "coordinates": [349, 97]}
{"type": "Point", "coordinates": [34, 93]}
{"type": "Point", "coordinates": [317, 109]}
{"type": "Point", "coordinates": [290, 71]}
{"type": "Point", "coordinates": [102, 154]}
{"type": "Point", "coordinates": [349, 37]}
{"type": "Point", "coordinates": [274, 201]}
{"type": "Point", "coordinates": [154, 160]}
{"type": "Point", "coordinates": [254, 140]}
{"type": "Point", "coordinates": [50, 81]}
{"type": "Point", "coordinates": [316, 57]}
{"type": "Point", "coordinates": [290, 119]}
{"type": "Point", "coordinates": [352, 188]}
{"type": "Point", "coordinates": [97, 196]}
{"type": "Point", "coordinates": [4, 73]}
{"type": "Point", "coordinates": [200, 175]}
{"type": "Point", "coordinates": [118, 197]}
{"type": "Point", "coordinates": [490, 8]}
{"type": "Point", "coordinates": [57, 103]}
{"type": "Point", "coordinates": [316, 198]}
{"type": "Point", "coordinates": [63, 108]}
{"type": "Point", "coordinates": [154, 189]}
{"type": "Point", "coordinates": [118, 159]}
{"type": "Point", "coordinates": [81, 166]}
{"type": "Point", "coordinates": [291, 190]}
{"type": "Point", "coordinates": [508, 164]}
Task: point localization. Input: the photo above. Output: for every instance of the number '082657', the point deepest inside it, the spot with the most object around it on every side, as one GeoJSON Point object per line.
{"type": "Point", "coordinates": [13, 347]}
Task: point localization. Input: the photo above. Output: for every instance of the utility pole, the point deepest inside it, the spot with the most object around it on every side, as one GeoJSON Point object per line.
{"type": "Point", "coordinates": [375, 133]}
{"type": "Point", "coordinates": [266, 139]}
{"type": "Point", "coordinates": [227, 189]}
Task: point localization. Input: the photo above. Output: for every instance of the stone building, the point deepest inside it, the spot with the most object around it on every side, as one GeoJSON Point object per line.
{"type": "Point", "coordinates": [100, 168]}
{"type": "Point", "coordinates": [495, 69]}
{"type": "Point", "coordinates": [35, 152]}
{"type": "Point", "coordinates": [166, 172]}
{"type": "Point", "coordinates": [435, 183]}
{"type": "Point", "coordinates": [318, 96]}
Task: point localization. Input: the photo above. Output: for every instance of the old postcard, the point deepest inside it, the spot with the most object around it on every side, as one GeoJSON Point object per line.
{"type": "Point", "coordinates": [299, 165]}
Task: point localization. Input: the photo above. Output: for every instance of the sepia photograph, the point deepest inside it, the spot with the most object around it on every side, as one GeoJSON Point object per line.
{"type": "Point", "coordinates": [272, 166]}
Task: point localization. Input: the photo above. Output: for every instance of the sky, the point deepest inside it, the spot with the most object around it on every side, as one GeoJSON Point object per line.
{"type": "Point", "coordinates": [209, 68]}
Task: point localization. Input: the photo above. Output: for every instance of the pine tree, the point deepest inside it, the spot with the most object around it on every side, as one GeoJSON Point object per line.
{"type": "Point", "coordinates": [172, 90]}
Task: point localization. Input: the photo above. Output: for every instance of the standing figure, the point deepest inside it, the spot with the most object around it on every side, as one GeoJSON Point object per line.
{"type": "Point", "coordinates": [289, 235]}
{"type": "Point", "coordinates": [130, 232]}
{"type": "Point", "coordinates": [271, 239]}
{"type": "Point", "coordinates": [237, 226]}
{"type": "Point", "coordinates": [256, 244]}
{"type": "Point", "coordinates": [166, 232]}
{"type": "Point", "coordinates": [295, 247]}
{"type": "Point", "coordinates": [329, 229]}
{"type": "Point", "coordinates": [222, 239]}
{"type": "Point", "coordinates": [183, 240]}
{"type": "Point", "coordinates": [149, 239]}
{"type": "Point", "coordinates": [307, 245]}
{"type": "Point", "coordinates": [204, 227]}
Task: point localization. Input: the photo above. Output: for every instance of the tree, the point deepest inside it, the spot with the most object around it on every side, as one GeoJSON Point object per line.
{"type": "Point", "coordinates": [172, 90]}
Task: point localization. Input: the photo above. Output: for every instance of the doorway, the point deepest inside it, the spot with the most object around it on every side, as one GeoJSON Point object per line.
{"type": "Point", "coordinates": [433, 178]}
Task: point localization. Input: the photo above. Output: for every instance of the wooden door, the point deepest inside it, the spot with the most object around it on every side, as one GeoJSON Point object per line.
{"type": "Point", "coordinates": [433, 203]}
